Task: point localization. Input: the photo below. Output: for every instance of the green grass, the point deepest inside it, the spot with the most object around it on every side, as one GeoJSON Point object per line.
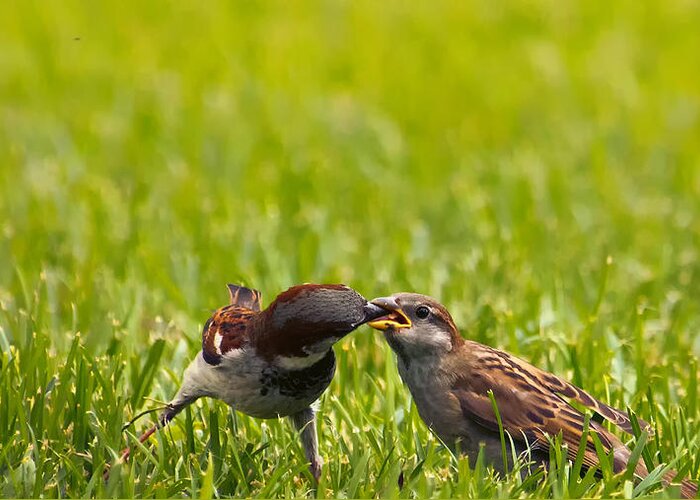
{"type": "Point", "coordinates": [534, 165]}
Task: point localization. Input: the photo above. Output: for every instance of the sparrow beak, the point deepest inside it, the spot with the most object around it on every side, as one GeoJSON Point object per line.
{"type": "Point", "coordinates": [393, 318]}
{"type": "Point", "coordinates": [372, 312]}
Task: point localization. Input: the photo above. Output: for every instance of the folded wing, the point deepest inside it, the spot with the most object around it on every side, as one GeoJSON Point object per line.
{"type": "Point", "coordinates": [532, 405]}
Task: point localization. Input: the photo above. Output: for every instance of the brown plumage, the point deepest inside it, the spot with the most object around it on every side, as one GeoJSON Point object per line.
{"type": "Point", "coordinates": [450, 379]}
{"type": "Point", "coordinates": [274, 362]}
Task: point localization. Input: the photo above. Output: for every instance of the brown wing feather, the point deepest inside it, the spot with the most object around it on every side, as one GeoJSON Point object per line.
{"type": "Point", "coordinates": [565, 389]}
{"type": "Point", "coordinates": [529, 410]}
{"type": "Point", "coordinates": [226, 330]}
{"type": "Point", "coordinates": [551, 383]}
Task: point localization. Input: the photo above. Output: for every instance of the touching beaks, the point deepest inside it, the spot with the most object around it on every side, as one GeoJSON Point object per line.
{"type": "Point", "coordinates": [393, 317]}
{"type": "Point", "coordinates": [371, 312]}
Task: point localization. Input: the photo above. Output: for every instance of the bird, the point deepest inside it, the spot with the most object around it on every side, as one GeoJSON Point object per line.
{"type": "Point", "coordinates": [272, 362]}
{"type": "Point", "coordinates": [452, 381]}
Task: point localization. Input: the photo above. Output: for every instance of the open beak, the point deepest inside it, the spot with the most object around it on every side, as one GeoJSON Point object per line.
{"type": "Point", "coordinates": [394, 317]}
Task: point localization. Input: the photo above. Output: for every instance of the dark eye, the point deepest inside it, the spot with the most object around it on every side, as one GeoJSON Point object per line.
{"type": "Point", "coordinates": [422, 312]}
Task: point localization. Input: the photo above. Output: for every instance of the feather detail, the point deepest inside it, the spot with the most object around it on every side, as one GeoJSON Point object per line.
{"type": "Point", "coordinates": [228, 329]}
{"type": "Point", "coordinates": [244, 297]}
{"type": "Point", "coordinates": [689, 489]}
{"type": "Point", "coordinates": [532, 404]}
{"type": "Point", "coordinates": [565, 389]}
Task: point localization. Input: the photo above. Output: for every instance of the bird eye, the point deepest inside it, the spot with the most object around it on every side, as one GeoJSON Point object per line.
{"type": "Point", "coordinates": [422, 312]}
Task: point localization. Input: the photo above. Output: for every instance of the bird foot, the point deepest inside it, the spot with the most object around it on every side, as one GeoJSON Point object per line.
{"type": "Point", "coordinates": [316, 467]}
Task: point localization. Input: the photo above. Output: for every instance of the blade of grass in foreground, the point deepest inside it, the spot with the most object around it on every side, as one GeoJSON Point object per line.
{"type": "Point", "coordinates": [504, 454]}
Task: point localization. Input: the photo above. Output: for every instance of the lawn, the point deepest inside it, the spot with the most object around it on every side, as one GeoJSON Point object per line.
{"type": "Point", "coordinates": [534, 165]}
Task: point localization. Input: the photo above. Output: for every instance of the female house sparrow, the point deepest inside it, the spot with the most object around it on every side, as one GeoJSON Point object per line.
{"type": "Point", "coordinates": [275, 362]}
{"type": "Point", "coordinates": [449, 379]}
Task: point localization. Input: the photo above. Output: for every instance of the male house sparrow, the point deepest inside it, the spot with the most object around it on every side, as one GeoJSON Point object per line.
{"type": "Point", "coordinates": [275, 362]}
{"type": "Point", "coordinates": [450, 377]}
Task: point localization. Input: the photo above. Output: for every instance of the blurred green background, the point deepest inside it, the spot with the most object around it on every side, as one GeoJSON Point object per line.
{"type": "Point", "coordinates": [534, 165]}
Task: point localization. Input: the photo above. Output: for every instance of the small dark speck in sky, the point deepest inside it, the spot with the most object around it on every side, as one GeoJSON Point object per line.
{"type": "Point", "coordinates": [76, 38]}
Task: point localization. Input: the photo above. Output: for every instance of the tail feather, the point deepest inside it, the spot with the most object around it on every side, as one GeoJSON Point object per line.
{"type": "Point", "coordinates": [244, 297]}
{"type": "Point", "coordinates": [689, 489]}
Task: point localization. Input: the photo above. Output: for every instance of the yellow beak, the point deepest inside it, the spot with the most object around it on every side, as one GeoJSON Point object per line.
{"type": "Point", "coordinates": [394, 319]}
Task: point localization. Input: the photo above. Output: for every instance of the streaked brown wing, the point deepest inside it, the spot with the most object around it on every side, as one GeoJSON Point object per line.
{"type": "Point", "coordinates": [565, 389]}
{"type": "Point", "coordinates": [529, 410]}
{"type": "Point", "coordinates": [225, 331]}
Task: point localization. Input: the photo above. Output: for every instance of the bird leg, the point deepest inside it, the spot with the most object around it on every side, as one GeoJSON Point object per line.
{"type": "Point", "coordinates": [171, 410]}
{"type": "Point", "coordinates": [305, 422]}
